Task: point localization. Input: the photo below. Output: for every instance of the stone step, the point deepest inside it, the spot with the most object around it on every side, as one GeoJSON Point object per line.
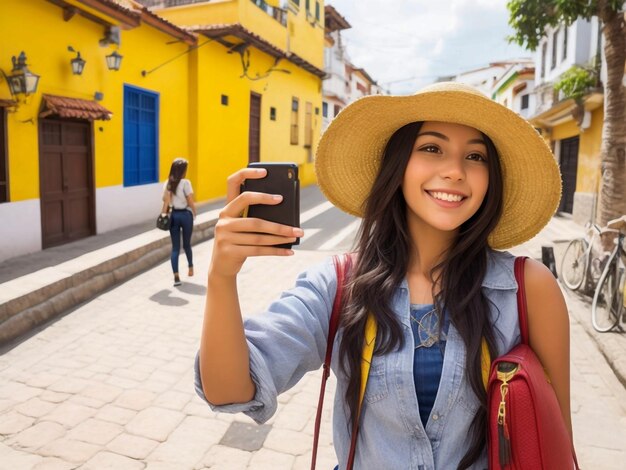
{"type": "Point", "coordinates": [29, 301]}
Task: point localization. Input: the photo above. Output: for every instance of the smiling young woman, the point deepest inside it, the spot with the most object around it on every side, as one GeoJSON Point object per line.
{"type": "Point", "coordinates": [444, 181]}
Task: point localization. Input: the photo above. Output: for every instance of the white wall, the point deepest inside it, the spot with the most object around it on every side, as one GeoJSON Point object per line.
{"type": "Point", "coordinates": [483, 78]}
{"type": "Point", "coordinates": [582, 38]}
{"type": "Point", "coordinates": [117, 206]}
{"type": "Point", "coordinates": [20, 230]}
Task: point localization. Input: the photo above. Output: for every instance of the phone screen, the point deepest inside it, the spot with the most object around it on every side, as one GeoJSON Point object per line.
{"type": "Point", "coordinates": [281, 178]}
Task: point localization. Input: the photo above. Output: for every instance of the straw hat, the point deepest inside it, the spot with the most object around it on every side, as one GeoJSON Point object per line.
{"type": "Point", "coordinates": [350, 151]}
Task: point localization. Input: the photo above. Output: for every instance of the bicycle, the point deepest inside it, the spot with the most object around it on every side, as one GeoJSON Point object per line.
{"type": "Point", "coordinates": [578, 263]}
{"type": "Point", "coordinates": [608, 308]}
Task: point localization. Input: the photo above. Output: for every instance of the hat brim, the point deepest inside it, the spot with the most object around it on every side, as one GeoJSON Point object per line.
{"type": "Point", "coordinates": [350, 151]}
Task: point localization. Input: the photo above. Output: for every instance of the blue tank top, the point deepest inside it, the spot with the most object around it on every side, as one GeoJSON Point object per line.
{"type": "Point", "coordinates": [429, 349]}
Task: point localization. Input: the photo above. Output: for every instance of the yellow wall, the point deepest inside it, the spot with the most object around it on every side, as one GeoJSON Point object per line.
{"type": "Point", "coordinates": [169, 82]}
{"type": "Point", "coordinates": [590, 140]}
{"type": "Point", "coordinates": [565, 130]}
{"type": "Point", "coordinates": [50, 59]}
{"type": "Point", "coordinates": [307, 38]}
{"type": "Point", "coordinates": [588, 176]}
{"type": "Point", "coordinates": [222, 139]}
{"type": "Point", "coordinates": [192, 121]}
{"type": "Point", "coordinates": [304, 39]}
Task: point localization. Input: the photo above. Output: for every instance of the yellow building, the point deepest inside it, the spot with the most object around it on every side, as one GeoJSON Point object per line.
{"type": "Point", "coordinates": [88, 152]}
{"type": "Point", "coordinates": [575, 134]}
{"type": "Point", "coordinates": [255, 83]}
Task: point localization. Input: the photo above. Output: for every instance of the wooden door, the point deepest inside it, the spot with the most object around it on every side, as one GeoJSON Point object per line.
{"type": "Point", "coordinates": [66, 181]}
{"type": "Point", "coordinates": [254, 135]}
{"type": "Point", "coordinates": [569, 168]}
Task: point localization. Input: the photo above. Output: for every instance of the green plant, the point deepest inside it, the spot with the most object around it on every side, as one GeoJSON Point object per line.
{"type": "Point", "coordinates": [576, 82]}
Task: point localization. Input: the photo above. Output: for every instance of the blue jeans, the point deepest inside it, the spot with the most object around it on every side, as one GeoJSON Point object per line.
{"type": "Point", "coordinates": [181, 219]}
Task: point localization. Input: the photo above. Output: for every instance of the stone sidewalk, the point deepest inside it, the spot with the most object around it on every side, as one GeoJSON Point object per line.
{"type": "Point", "coordinates": [110, 385]}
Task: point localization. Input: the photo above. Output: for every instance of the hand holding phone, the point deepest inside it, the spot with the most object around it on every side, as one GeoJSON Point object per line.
{"type": "Point", "coordinates": [281, 178]}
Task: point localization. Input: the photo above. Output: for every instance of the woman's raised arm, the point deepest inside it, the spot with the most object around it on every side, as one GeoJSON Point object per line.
{"type": "Point", "coordinates": [223, 359]}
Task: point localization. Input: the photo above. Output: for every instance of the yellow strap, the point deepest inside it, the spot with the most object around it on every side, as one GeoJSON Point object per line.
{"type": "Point", "coordinates": [368, 351]}
{"type": "Point", "coordinates": [485, 362]}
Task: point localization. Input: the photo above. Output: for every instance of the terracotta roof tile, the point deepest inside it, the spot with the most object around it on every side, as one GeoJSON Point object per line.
{"type": "Point", "coordinates": [74, 108]}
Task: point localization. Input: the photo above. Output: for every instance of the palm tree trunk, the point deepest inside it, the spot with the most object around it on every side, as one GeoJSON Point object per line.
{"type": "Point", "coordinates": [613, 150]}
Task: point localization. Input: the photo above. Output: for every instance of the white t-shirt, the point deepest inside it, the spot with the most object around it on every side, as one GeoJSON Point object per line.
{"type": "Point", "coordinates": [179, 198]}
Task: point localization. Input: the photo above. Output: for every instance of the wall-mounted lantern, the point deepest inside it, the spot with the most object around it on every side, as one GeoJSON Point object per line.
{"type": "Point", "coordinates": [78, 63]}
{"type": "Point", "coordinates": [21, 81]}
{"type": "Point", "coordinates": [114, 61]}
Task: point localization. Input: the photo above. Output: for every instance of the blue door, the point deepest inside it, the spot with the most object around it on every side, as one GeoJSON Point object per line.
{"type": "Point", "coordinates": [141, 136]}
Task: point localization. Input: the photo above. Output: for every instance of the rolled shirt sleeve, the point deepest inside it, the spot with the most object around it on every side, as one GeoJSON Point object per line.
{"type": "Point", "coordinates": [285, 342]}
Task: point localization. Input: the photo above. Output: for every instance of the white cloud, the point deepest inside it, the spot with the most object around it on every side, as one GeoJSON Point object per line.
{"type": "Point", "coordinates": [396, 40]}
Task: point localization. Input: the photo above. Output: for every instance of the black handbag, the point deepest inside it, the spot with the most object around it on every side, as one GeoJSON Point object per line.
{"type": "Point", "coordinates": [164, 220]}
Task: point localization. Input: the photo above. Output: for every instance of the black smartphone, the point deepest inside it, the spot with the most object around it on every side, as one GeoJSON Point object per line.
{"type": "Point", "coordinates": [281, 178]}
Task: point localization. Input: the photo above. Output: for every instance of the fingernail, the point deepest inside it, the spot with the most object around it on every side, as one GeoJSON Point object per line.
{"type": "Point", "coordinates": [298, 232]}
{"type": "Point", "coordinates": [277, 197]}
{"type": "Point", "coordinates": [289, 252]}
{"type": "Point", "coordinates": [260, 170]}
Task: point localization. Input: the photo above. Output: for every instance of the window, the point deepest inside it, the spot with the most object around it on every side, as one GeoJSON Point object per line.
{"type": "Point", "coordinates": [564, 43]}
{"type": "Point", "coordinates": [225, 100]}
{"type": "Point", "coordinates": [337, 109]}
{"type": "Point", "coordinates": [317, 11]}
{"type": "Point", "coordinates": [317, 111]}
{"type": "Point", "coordinates": [141, 136]}
{"type": "Point", "coordinates": [272, 114]}
{"type": "Point", "coordinates": [525, 99]}
{"type": "Point", "coordinates": [294, 121]}
{"type": "Point", "coordinates": [307, 5]}
{"type": "Point", "coordinates": [308, 125]}
{"type": "Point", "coordinates": [296, 2]}
{"type": "Point", "coordinates": [4, 163]}
{"type": "Point", "coordinates": [554, 38]}
{"type": "Point", "coordinates": [544, 53]}
{"type": "Point", "coordinates": [325, 109]}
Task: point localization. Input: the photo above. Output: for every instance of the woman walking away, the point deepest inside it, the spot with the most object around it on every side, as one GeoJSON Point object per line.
{"type": "Point", "coordinates": [444, 180]}
{"type": "Point", "coordinates": [178, 193]}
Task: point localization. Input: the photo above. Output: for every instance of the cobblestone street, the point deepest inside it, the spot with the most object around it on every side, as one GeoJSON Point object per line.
{"type": "Point", "coordinates": [110, 386]}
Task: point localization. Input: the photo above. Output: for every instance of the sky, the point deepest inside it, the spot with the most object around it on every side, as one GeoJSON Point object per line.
{"type": "Point", "coordinates": [407, 44]}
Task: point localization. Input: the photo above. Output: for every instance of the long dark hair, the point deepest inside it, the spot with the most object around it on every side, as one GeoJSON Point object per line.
{"type": "Point", "coordinates": [178, 170]}
{"type": "Point", "coordinates": [383, 244]}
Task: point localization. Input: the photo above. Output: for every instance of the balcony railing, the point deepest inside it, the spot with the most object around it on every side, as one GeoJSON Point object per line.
{"type": "Point", "coordinates": [278, 14]}
{"type": "Point", "coordinates": [170, 3]}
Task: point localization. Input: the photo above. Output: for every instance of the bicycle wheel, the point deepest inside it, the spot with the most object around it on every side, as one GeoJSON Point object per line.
{"type": "Point", "coordinates": [574, 263]}
{"type": "Point", "coordinates": [605, 300]}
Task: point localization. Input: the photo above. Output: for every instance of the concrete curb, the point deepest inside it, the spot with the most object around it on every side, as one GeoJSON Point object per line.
{"type": "Point", "coordinates": [31, 300]}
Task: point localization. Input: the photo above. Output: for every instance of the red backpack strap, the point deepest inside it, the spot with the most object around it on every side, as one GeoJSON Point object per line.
{"type": "Point", "coordinates": [343, 264]}
{"type": "Point", "coordinates": [522, 311]}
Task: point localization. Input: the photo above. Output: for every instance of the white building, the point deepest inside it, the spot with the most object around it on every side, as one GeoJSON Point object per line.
{"type": "Point", "coordinates": [483, 78]}
{"type": "Point", "coordinates": [515, 88]}
{"type": "Point", "coordinates": [561, 48]}
{"type": "Point", "coordinates": [344, 81]}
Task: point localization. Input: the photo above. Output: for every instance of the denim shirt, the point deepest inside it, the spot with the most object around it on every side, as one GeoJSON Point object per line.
{"type": "Point", "coordinates": [289, 340]}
